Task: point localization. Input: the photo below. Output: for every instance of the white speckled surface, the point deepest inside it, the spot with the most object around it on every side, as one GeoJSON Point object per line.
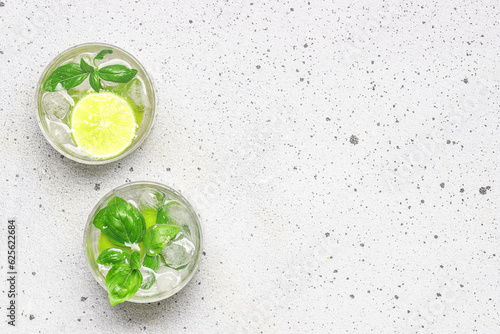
{"type": "Point", "coordinates": [344, 158]}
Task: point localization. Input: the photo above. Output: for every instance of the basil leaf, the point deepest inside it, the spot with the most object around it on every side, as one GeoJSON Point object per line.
{"type": "Point", "coordinates": [116, 200]}
{"type": "Point", "coordinates": [152, 262]}
{"type": "Point", "coordinates": [86, 67]}
{"type": "Point", "coordinates": [117, 73]}
{"type": "Point", "coordinates": [157, 237]}
{"type": "Point", "coordinates": [135, 260]}
{"type": "Point", "coordinates": [122, 282]}
{"type": "Point", "coordinates": [65, 77]}
{"type": "Point", "coordinates": [112, 256]}
{"type": "Point", "coordinates": [101, 54]}
{"type": "Point", "coordinates": [121, 222]}
{"type": "Point", "coordinates": [125, 225]}
{"type": "Point", "coordinates": [163, 215]}
{"type": "Point", "coordinates": [95, 81]}
{"type": "Point", "coordinates": [99, 219]}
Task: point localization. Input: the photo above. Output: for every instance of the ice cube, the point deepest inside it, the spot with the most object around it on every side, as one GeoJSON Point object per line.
{"type": "Point", "coordinates": [177, 214]}
{"type": "Point", "coordinates": [148, 278]}
{"type": "Point", "coordinates": [59, 132]}
{"type": "Point", "coordinates": [179, 251]}
{"type": "Point", "coordinates": [56, 105]}
{"type": "Point", "coordinates": [151, 199]}
{"type": "Point", "coordinates": [136, 91]}
{"type": "Point", "coordinates": [167, 278]}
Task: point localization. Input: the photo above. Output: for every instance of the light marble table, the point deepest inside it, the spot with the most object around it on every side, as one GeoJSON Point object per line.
{"type": "Point", "coordinates": [344, 158]}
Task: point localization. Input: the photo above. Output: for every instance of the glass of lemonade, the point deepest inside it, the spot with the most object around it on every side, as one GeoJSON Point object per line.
{"type": "Point", "coordinates": [161, 267]}
{"type": "Point", "coordinates": [96, 103]}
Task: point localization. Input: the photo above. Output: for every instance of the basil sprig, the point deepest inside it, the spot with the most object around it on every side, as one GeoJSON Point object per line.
{"type": "Point", "coordinates": [121, 222]}
{"type": "Point", "coordinates": [125, 225]}
{"type": "Point", "coordinates": [73, 74]}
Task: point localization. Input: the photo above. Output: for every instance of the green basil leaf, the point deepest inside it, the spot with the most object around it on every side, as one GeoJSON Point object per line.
{"type": "Point", "coordinates": [125, 225]}
{"type": "Point", "coordinates": [163, 215]}
{"type": "Point", "coordinates": [135, 260]}
{"type": "Point", "coordinates": [122, 282]}
{"type": "Point", "coordinates": [65, 77]}
{"type": "Point", "coordinates": [86, 67]}
{"type": "Point", "coordinates": [99, 220]}
{"type": "Point", "coordinates": [95, 81]}
{"type": "Point", "coordinates": [157, 237]}
{"type": "Point", "coordinates": [152, 262]}
{"type": "Point", "coordinates": [112, 256]}
{"type": "Point", "coordinates": [117, 200]}
{"type": "Point", "coordinates": [101, 54]}
{"type": "Point", "coordinates": [121, 222]}
{"type": "Point", "coordinates": [117, 73]}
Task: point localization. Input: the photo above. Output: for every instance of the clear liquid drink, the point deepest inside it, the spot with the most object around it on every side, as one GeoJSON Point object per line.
{"type": "Point", "coordinates": [179, 259]}
{"type": "Point", "coordinates": [56, 108]}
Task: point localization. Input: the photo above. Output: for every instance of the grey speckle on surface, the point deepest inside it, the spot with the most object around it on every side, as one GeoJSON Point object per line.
{"type": "Point", "coordinates": [350, 136]}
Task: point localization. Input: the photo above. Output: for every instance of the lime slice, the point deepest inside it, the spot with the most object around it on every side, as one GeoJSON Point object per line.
{"type": "Point", "coordinates": [103, 125]}
{"type": "Point", "coordinates": [149, 216]}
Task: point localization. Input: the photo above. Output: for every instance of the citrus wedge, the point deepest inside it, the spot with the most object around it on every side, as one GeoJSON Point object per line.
{"type": "Point", "coordinates": [103, 125]}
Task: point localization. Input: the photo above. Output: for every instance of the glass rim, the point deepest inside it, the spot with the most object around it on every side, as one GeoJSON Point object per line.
{"type": "Point", "coordinates": [134, 145]}
{"type": "Point", "coordinates": [184, 282]}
